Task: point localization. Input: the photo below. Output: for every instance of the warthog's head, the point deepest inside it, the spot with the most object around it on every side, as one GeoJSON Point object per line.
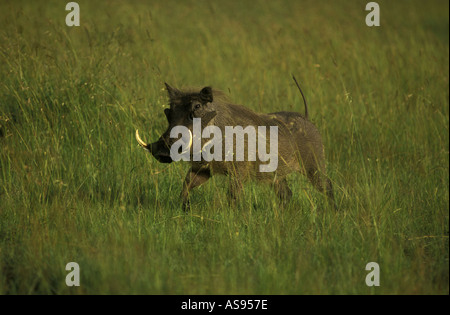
{"type": "Point", "coordinates": [184, 107]}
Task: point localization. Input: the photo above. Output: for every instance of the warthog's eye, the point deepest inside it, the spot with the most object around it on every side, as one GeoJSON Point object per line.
{"type": "Point", "coordinates": [197, 106]}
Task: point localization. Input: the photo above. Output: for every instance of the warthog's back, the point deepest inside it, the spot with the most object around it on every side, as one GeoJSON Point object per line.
{"type": "Point", "coordinates": [299, 142]}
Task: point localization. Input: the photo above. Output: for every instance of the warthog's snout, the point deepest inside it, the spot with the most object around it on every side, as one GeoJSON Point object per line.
{"type": "Point", "coordinates": [161, 148]}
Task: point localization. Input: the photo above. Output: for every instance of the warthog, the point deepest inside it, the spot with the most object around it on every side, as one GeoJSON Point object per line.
{"type": "Point", "coordinates": [299, 148]}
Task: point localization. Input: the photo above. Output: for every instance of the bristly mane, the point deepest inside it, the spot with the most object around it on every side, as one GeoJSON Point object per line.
{"type": "Point", "coordinates": [218, 95]}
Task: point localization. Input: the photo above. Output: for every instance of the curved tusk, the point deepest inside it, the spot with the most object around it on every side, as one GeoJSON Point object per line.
{"type": "Point", "coordinates": [190, 139]}
{"type": "Point", "coordinates": [189, 143]}
{"type": "Point", "coordinates": [139, 140]}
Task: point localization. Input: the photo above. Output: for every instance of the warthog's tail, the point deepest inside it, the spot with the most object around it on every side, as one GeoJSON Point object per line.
{"type": "Point", "coordinates": [304, 99]}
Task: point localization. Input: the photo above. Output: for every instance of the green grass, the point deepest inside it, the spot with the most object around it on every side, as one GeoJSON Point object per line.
{"type": "Point", "coordinates": [76, 187]}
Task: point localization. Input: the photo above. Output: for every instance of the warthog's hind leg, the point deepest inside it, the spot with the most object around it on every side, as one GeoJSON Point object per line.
{"type": "Point", "coordinates": [322, 183]}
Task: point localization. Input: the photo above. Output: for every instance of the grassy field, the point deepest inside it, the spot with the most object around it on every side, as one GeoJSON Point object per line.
{"type": "Point", "coordinates": [75, 186]}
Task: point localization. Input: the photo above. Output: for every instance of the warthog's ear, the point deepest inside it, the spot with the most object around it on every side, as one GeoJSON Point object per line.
{"type": "Point", "coordinates": [206, 94]}
{"type": "Point", "coordinates": [173, 92]}
{"type": "Point", "coordinates": [207, 117]}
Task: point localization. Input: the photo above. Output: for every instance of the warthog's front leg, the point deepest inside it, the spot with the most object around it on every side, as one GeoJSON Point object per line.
{"type": "Point", "coordinates": [193, 179]}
